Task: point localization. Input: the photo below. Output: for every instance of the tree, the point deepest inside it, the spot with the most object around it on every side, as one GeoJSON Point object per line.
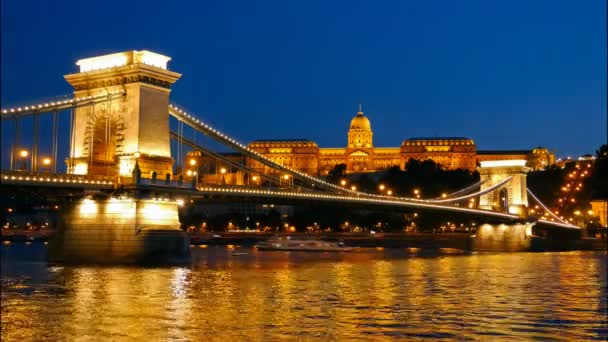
{"type": "Point", "coordinates": [337, 173]}
{"type": "Point", "coordinates": [599, 179]}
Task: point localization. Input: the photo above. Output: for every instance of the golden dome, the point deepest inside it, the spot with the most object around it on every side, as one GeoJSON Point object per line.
{"type": "Point", "coordinates": [360, 122]}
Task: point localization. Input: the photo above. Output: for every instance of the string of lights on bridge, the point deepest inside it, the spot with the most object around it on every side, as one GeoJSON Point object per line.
{"type": "Point", "coordinates": [54, 179]}
{"type": "Point", "coordinates": [207, 129]}
{"type": "Point", "coordinates": [60, 105]}
{"type": "Point", "coordinates": [181, 114]}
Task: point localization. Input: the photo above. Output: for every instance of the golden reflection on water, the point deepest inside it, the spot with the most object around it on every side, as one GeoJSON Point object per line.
{"type": "Point", "coordinates": [268, 295]}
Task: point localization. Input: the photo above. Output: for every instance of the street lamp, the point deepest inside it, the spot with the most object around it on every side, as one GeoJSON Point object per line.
{"type": "Point", "coordinates": [46, 162]}
{"type": "Point", "coordinates": [192, 162]}
{"type": "Point", "coordinates": [389, 192]}
{"type": "Point", "coordinates": [223, 172]}
{"type": "Point", "coordinates": [23, 155]}
{"type": "Point", "coordinates": [353, 188]}
{"type": "Point", "coordinates": [286, 178]}
{"type": "Point", "coordinates": [381, 187]}
{"type": "Point", "coordinates": [343, 182]}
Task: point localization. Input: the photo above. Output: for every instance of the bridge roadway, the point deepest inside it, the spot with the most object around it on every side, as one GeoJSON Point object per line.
{"type": "Point", "coordinates": [257, 194]}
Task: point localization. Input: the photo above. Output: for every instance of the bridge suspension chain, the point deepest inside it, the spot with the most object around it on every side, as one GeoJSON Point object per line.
{"type": "Point", "coordinates": [52, 106]}
{"type": "Point", "coordinates": [208, 130]}
{"type": "Point", "coordinates": [479, 193]}
{"type": "Point", "coordinates": [546, 208]}
{"type": "Point", "coordinates": [227, 140]}
{"type": "Point", "coordinates": [461, 191]}
{"type": "Point", "coordinates": [194, 145]}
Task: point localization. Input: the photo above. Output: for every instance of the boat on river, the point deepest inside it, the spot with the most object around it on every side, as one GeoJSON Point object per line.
{"type": "Point", "coordinates": [287, 244]}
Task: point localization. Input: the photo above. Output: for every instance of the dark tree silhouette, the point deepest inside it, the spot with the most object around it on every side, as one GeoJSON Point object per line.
{"type": "Point", "coordinates": [337, 173]}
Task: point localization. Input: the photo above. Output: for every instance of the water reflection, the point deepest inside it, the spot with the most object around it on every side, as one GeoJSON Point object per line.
{"type": "Point", "coordinates": [268, 295]}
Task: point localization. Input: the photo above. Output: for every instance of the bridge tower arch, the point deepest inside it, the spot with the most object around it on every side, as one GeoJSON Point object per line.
{"type": "Point", "coordinates": [109, 137]}
{"type": "Point", "coordinates": [513, 196]}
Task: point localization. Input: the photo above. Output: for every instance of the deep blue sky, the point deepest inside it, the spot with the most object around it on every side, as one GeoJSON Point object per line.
{"type": "Point", "coordinates": [508, 74]}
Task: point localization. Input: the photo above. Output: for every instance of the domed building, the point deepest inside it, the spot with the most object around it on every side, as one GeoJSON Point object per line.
{"type": "Point", "coordinates": [360, 154]}
{"type": "Point", "coordinates": [360, 132]}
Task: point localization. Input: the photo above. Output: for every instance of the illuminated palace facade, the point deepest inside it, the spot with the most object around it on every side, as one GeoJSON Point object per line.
{"type": "Point", "coordinates": [360, 154]}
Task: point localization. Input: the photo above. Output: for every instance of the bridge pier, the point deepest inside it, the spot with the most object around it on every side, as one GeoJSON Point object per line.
{"type": "Point", "coordinates": [514, 237]}
{"type": "Point", "coordinates": [120, 231]}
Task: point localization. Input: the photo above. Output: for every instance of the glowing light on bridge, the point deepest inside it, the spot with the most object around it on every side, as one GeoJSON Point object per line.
{"type": "Point", "coordinates": [206, 129]}
{"type": "Point", "coordinates": [61, 105]}
{"type": "Point", "coordinates": [123, 58]}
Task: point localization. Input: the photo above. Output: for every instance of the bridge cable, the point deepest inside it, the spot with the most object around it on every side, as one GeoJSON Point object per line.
{"type": "Point", "coordinates": [91, 130]}
{"type": "Point", "coordinates": [35, 143]}
{"type": "Point", "coordinates": [71, 159]}
{"type": "Point", "coordinates": [55, 137]}
{"type": "Point", "coordinates": [107, 135]}
{"type": "Point", "coordinates": [16, 143]}
{"type": "Point", "coordinates": [479, 193]}
{"type": "Point", "coordinates": [195, 146]}
{"type": "Point", "coordinates": [180, 135]}
{"type": "Point", "coordinates": [57, 106]}
{"type": "Point", "coordinates": [226, 140]}
{"type": "Point", "coordinates": [461, 191]}
{"type": "Point", "coordinates": [547, 209]}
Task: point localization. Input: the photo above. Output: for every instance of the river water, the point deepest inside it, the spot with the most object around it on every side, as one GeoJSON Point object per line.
{"type": "Point", "coordinates": [268, 296]}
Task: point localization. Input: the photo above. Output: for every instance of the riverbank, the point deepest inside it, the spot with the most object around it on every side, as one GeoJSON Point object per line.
{"type": "Point", "coordinates": [392, 240]}
{"type": "Point", "coordinates": [457, 240]}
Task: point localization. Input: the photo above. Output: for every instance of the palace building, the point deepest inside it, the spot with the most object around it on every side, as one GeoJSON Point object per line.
{"type": "Point", "coordinates": [360, 154]}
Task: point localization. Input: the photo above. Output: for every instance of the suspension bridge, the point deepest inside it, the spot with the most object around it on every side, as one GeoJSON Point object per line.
{"type": "Point", "coordinates": [127, 165]}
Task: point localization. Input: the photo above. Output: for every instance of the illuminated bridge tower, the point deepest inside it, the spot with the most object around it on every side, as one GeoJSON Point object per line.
{"type": "Point", "coordinates": [108, 137]}
{"type": "Point", "coordinates": [513, 197]}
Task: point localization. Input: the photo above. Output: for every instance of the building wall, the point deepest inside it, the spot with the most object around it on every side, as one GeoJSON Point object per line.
{"type": "Point", "coordinates": [302, 155]}
{"type": "Point", "coordinates": [451, 153]}
{"type": "Point", "coordinates": [360, 155]}
{"type": "Point", "coordinates": [600, 209]}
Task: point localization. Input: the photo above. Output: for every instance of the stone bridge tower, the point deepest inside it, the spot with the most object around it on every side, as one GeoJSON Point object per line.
{"type": "Point", "coordinates": [109, 137]}
{"type": "Point", "coordinates": [513, 196]}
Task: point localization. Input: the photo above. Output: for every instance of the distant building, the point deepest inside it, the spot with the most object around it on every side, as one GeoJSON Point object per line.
{"type": "Point", "coordinates": [600, 209]}
{"type": "Point", "coordinates": [360, 154]}
{"type": "Point", "coordinates": [300, 154]}
{"type": "Point", "coordinates": [451, 153]}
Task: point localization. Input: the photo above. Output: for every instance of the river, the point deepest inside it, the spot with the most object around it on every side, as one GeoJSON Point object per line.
{"type": "Point", "coordinates": [379, 294]}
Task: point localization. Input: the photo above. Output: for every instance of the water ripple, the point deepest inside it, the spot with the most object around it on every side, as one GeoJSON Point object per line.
{"type": "Point", "coordinates": [281, 296]}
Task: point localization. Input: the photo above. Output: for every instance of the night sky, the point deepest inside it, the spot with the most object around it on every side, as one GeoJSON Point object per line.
{"type": "Point", "coordinates": [508, 74]}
